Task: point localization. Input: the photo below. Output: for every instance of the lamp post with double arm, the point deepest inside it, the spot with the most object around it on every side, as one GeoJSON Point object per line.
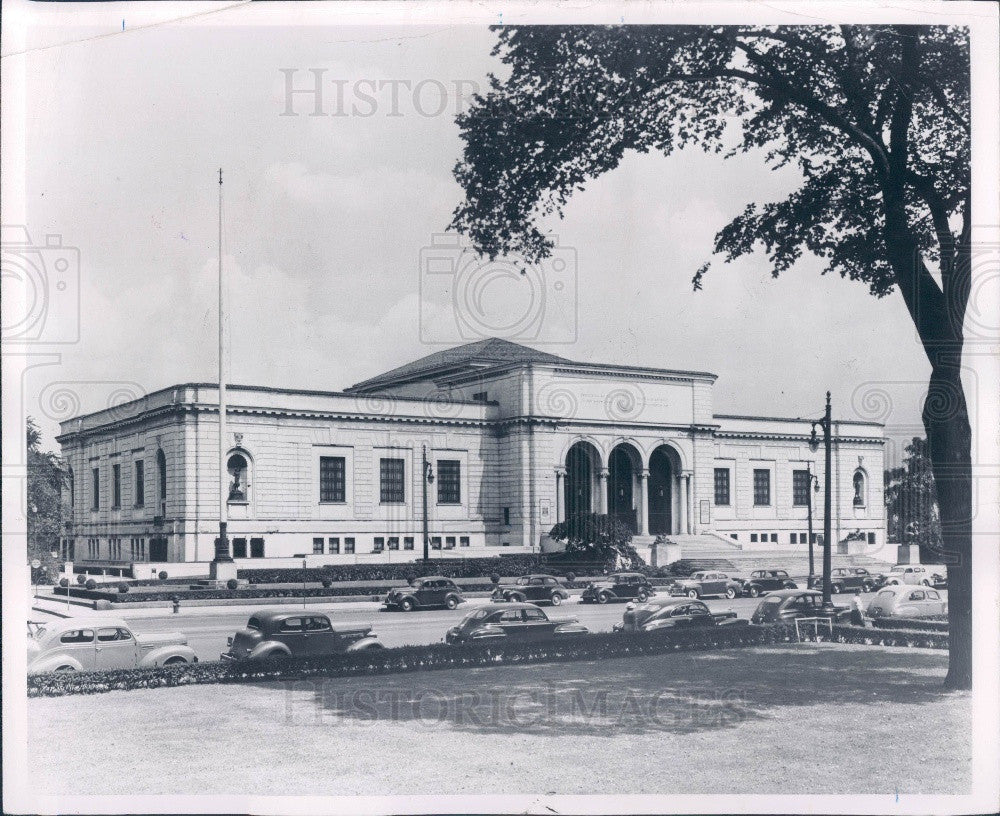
{"type": "Point", "coordinates": [812, 485]}
{"type": "Point", "coordinates": [825, 424]}
{"type": "Point", "coordinates": [428, 478]}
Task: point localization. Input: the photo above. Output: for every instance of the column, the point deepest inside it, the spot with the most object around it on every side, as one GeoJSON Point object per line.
{"type": "Point", "coordinates": [560, 496]}
{"type": "Point", "coordinates": [690, 499]}
{"type": "Point", "coordinates": [644, 502]}
{"type": "Point", "coordinates": [683, 502]}
{"type": "Point", "coordinates": [602, 491]}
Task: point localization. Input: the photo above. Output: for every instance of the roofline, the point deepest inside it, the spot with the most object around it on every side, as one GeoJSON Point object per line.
{"type": "Point", "coordinates": [799, 419]}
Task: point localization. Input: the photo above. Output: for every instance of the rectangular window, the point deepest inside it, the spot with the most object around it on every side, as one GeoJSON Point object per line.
{"type": "Point", "coordinates": [348, 546]}
{"type": "Point", "coordinates": [722, 487]}
{"type": "Point", "coordinates": [463, 541]}
{"type": "Point", "coordinates": [379, 544]}
{"type": "Point", "coordinates": [239, 548]}
{"type": "Point", "coordinates": [506, 516]}
{"type": "Point", "coordinates": [761, 487]}
{"type": "Point", "coordinates": [116, 487]}
{"type": "Point", "coordinates": [332, 483]}
{"type": "Point", "coordinates": [95, 489]}
{"type": "Point", "coordinates": [793, 538]}
{"type": "Point", "coordinates": [814, 538]}
{"type": "Point", "coordinates": [481, 396]}
{"type": "Point", "coordinates": [435, 542]}
{"type": "Point", "coordinates": [871, 539]}
{"type": "Point", "coordinates": [774, 538]}
{"type": "Point", "coordinates": [800, 488]}
{"type": "Point", "coordinates": [449, 542]}
{"type": "Point", "coordinates": [753, 538]}
{"type": "Point", "coordinates": [734, 536]}
{"type": "Point", "coordinates": [256, 547]}
{"type": "Point", "coordinates": [317, 546]}
{"type": "Point", "coordinates": [140, 484]}
{"type": "Point", "coordinates": [392, 489]}
{"type": "Point", "coordinates": [407, 542]}
{"type": "Point", "coordinates": [333, 545]}
{"type": "Point", "coordinates": [393, 543]}
{"type": "Point", "coordinates": [449, 481]}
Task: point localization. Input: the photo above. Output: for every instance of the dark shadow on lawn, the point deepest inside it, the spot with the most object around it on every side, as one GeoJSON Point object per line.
{"type": "Point", "coordinates": [673, 693]}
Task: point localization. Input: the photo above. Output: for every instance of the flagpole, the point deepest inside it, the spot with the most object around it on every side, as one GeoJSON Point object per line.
{"type": "Point", "coordinates": [222, 542]}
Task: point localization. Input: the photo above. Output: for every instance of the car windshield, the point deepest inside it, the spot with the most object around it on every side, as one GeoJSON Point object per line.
{"type": "Point", "coordinates": [697, 576]}
{"type": "Point", "coordinates": [474, 617]}
{"type": "Point", "coordinates": [523, 581]}
{"type": "Point", "coordinates": [254, 623]}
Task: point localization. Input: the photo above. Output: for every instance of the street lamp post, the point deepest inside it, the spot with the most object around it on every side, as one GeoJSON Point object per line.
{"type": "Point", "coordinates": [812, 485]}
{"type": "Point", "coordinates": [428, 479]}
{"type": "Point", "coordinates": [825, 424]}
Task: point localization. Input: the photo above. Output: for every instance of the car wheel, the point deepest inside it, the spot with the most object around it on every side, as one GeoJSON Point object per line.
{"type": "Point", "coordinates": [641, 596]}
{"type": "Point", "coordinates": [730, 593]}
{"type": "Point", "coordinates": [926, 583]}
{"type": "Point", "coordinates": [692, 593]}
{"type": "Point", "coordinates": [754, 592]}
{"type": "Point", "coordinates": [451, 602]}
{"type": "Point", "coordinates": [372, 647]}
{"type": "Point", "coordinates": [603, 598]}
{"type": "Point", "coordinates": [556, 599]}
{"type": "Point", "coordinates": [791, 585]}
{"type": "Point", "coordinates": [406, 605]}
{"type": "Point", "coordinates": [835, 589]}
{"type": "Point", "coordinates": [174, 661]}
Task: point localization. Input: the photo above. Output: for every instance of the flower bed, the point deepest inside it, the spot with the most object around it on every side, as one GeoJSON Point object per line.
{"type": "Point", "coordinates": [881, 637]}
{"type": "Point", "coordinates": [448, 567]}
{"type": "Point", "coordinates": [406, 659]}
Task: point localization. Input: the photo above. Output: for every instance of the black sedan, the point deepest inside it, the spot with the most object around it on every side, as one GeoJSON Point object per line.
{"type": "Point", "coordinates": [673, 613]}
{"type": "Point", "coordinates": [785, 605]}
{"type": "Point", "coordinates": [619, 586]}
{"type": "Point", "coordinates": [511, 621]}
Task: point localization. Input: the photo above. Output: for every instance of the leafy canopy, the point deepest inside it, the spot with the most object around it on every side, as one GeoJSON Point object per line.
{"type": "Point", "coordinates": [873, 117]}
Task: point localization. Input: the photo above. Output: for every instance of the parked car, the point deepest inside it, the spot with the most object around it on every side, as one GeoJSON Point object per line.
{"type": "Point", "coordinates": [847, 579]}
{"type": "Point", "coordinates": [535, 588]}
{"type": "Point", "coordinates": [278, 633]}
{"type": "Point", "coordinates": [704, 584]}
{"type": "Point", "coordinates": [914, 574]}
{"type": "Point", "coordinates": [672, 613]}
{"type": "Point", "coordinates": [907, 601]}
{"type": "Point", "coordinates": [763, 581]}
{"type": "Point", "coordinates": [93, 644]}
{"type": "Point", "coordinates": [619, 586]}
{"type": "Point", "coordinates": [785, 605]}
{"type": "Point", "coordinates": [509, 622]}
{"type": "Point", "coordinates": [423, 593]}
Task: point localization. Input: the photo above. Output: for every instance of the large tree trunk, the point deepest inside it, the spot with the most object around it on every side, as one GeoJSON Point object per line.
{"type": "Point", "coordinates": [949, 438]}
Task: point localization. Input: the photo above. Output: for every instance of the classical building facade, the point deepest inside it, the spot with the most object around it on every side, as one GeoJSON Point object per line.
{"type": "Point", "coordinates": [515, 439]}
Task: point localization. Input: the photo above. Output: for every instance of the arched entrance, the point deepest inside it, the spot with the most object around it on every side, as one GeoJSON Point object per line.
{"type": "Point", "coordinates": [582, 463]}
{"type": "Point", "coordinates": [623, 464]}
{"type": "Point", "coordinates": [662, 469]}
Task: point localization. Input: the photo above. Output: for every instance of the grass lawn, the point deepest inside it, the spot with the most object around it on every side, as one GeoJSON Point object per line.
{"type": "Point", "coordinates": [795, 718]}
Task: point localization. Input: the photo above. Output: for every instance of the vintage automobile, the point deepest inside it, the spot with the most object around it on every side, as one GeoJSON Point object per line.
{"type": "Point", "coordinates": [673, 613]}
{"type": "Point", "coordinates": [703, 584]}
{"type": "Point", "coordinates": [847, 579]}
{"type": "Point", "coordinates": [914, 574]}
{"type": "Point", "coordinates": [535, 588]}
{"type": "Point", "coordinates": [785, 605]}
{"type": "Point", "coordinates": [907, 601]}
{"type": "Point", "coordinates": [93, 644]}
{"type": "Point", "coordinates": [762, 581]}
{"type": "Point", "coordinates": [511, 621]}
{"type": "Point", "coordinates": [424, 593]}
{"type": "Point", "coordinates": [280, 633]}
{"type": "Point", "coordinates": [619, 586]}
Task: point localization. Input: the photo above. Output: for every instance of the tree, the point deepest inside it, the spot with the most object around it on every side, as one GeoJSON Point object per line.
{"type": "Point", "coordinates": [46, 477]}
{"type": "Point", "coordinates": [597, 537]}
{"type": "Point", "coordinates": [875, 118]}
{"type": "Point", "coordinates": [911, 503]}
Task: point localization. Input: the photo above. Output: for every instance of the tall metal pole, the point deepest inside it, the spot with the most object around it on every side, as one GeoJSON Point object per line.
{"type": "Point", "coordinates": [827, 519]}
{"type": "Point", "coordinates": [222, 543]}
{"type": "Point", "coordinates": [809, 508]}
{"type": "Point", "coordinates": [427, 539]}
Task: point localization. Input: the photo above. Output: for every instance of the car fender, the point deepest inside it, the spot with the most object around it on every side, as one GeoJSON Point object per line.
{"type": "Point", "coordinates": [160, 655]}
{"type": "Point", "coordinates": [733, 622]}
{"type": "Point", "coordinates": [516, 597]}
{"type": "Point", "coordinates": [571, 629]}
{"type": "Point", "coordinates": [267, 649]}
{"type": "Point", "coordinates": [365, 643]}
{"type": "Point", "coordinates": [458, 598]}
{"type": "Point", "coordinates": [53, 661]}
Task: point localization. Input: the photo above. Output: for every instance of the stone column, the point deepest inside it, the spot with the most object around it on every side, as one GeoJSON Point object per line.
{"type": "Point", "coordinates": [602, 491]}
{"type": "Point", "coordinates": [560, 497]}
{"type": "Point", "coordinates": [688, 477]}
{"type": "Point", "coordinates": [644, 502]}
{"type": "Point", "coordinates": [683, 502]}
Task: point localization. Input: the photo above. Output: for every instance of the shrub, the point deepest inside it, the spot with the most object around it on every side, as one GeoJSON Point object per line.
{"type": "Point", "coordinates": [123, 588]}
{"type": "Point", "coordinates": [598, 537]}
{"type": "Point", "coordinates": [494, 579]}
{"type": "Point", "coordinates": [232, 583]}
{"type": "Point", "coordinates": [91, 584]}
{"type": "Point", "coordinates": [571, 577]}
{"type": "Point", "coordinates": [81, 579]}
{"type": "Point", "coordinates": [327, 583]}
{"type": "Point", "coordinates": [449, 567]}
{"type": "Point", "coordinates": [64, 582]}
{"type": "Point", "coordinates": [410, 578]}
{"type": "Point", "coordinates": [163, 575]}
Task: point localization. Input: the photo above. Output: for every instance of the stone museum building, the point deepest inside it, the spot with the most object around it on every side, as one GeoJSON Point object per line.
{"type": "Point", "coordinates": [514, 440]}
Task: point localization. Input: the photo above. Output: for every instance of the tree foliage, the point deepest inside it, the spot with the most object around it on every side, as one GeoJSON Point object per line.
{"type": "Point", "coordinates": [911, 502]}
{"type": "Point", "coordinates": [46, 477]}
{"type": "Point", "coordinates": [597, 537]}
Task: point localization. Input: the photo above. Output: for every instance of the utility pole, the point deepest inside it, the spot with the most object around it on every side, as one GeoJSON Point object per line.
{"type": "Point", "coordinates": [809, 511]}
{"type": "Point", "coordinates": [827, 425]}
{"type": "Point", "coordinates": [427, 477]}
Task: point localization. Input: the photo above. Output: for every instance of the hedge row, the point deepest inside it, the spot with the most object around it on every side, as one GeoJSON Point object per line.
{"type": "Point", "coordinates": [406, 659]}
{"type": "Point", "coordinates": [448, 567]}
{"type": "Point", "coordinates": [882, 637]}
{"type": "Point", "coordinates": [923, 624]}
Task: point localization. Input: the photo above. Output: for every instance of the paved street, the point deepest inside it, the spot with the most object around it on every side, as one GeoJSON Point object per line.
{"type": "Point", "coordinates": [208, 627]}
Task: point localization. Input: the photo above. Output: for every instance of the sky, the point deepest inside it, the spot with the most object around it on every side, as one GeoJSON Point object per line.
{"type": "Point", "coordinates": [328, 220]}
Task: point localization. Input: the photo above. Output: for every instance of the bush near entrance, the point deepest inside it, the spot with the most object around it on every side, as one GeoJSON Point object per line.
{"type": "Point", "coordinates": [599, 538]}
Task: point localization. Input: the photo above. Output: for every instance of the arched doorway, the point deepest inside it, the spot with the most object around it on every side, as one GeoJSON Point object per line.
{"type": "Point", "coordinates": [582, 463]}
{"type": "Point", "coordinates": [661, 495]}
{"type": "Point", "coordinates": [623, 463]}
